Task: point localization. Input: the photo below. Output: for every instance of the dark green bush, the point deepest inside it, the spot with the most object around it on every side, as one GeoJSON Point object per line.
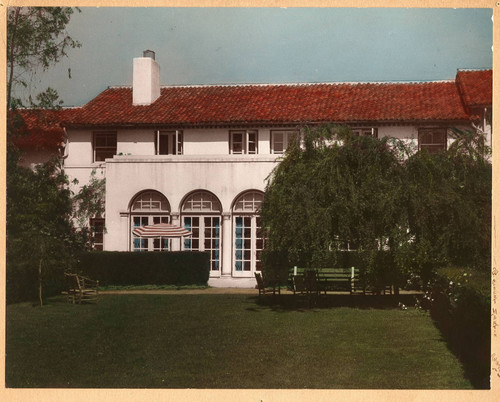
{"type": "Point", "coordinates": [462, 313]}
{"type": "Point", "coordinates": [132, 268]}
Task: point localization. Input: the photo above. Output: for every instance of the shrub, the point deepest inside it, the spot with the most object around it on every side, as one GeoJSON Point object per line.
{"type": "Point", "coordinates": [462, 313]}
{"type": "Point", "coordinates": [132, 268]}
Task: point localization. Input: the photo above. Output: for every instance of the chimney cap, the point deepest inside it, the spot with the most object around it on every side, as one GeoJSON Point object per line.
{"type": "Point", "coordinates": [148, 53]}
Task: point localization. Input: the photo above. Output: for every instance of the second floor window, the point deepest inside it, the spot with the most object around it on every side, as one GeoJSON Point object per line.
{"type": "Point", "coordinates": [280, 139]}
{"type": "Point", "coordinates": [432, 139]}
{"type": "Point", "coordinates": [368, 132]}
{"type": "Point", "coordinates": [168, 142]}
{"type": "Point", "coordinates": [104, 145]}
{"type": "Point", "coordinates": [243, 142]}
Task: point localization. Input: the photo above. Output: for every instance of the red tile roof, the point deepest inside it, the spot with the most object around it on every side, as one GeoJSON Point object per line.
{"type": "Point", "coordinates": [38, 128]}
{"type": "Point", "coordinates": [267, 104]}
{"type": "Point", "coordinates": [294, 103]}
{"type": "Point", "coordinates": [475, 87]}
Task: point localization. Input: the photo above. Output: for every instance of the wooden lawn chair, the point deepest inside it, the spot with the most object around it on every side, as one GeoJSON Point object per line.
{"type": "Point", "coordinates": [81, 289]}
{"type": "Point", "coordinates": [266, 287]}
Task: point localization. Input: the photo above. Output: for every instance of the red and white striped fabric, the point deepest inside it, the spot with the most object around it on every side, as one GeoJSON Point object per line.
{"type": "Point", "coordinates": [161, 230]}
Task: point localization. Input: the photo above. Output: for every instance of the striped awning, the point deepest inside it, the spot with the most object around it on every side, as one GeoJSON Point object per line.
{"type": "Point", "coordinates": [161, 230]}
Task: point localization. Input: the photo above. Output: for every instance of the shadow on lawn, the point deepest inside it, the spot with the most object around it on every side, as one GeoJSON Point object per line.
{"type": "Point", "coordinates": [301, 302]}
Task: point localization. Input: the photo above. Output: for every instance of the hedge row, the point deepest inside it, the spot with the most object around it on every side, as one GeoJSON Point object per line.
{"type": "Point", "coordinates": [133, 268]}
{"type": "Point", "coordinates": [462, 313]}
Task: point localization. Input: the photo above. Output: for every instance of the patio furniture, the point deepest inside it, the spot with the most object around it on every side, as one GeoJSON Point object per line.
{"type": "Point", "coordinates": [81, 289]}
{"type": "Point", "coordinates": [267, 286]}
{"type": "Point", "coordinates": [323, 280]}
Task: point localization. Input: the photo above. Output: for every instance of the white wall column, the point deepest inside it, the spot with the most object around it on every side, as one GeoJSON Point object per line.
{"type": "Point", "coordinates": [176, 241]}
{"type": "Point", "coordinates": [227, 248]}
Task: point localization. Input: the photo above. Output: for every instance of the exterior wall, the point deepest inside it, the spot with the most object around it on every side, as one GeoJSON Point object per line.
{"type": "Point", "coordinates": [79, 161]}
{"type": "Point", "coordinates": [206, 142]}
{"type": "Point", "coordinates": [140, 142]}
{"type": "Point", "coordinates": [79, 148]}
{"type": "Point", "coordinates": [205, 165]}
{"type": "Point", "coordinates": [176, 177]}
{"type": "Point", "coordinates": [136, 142]}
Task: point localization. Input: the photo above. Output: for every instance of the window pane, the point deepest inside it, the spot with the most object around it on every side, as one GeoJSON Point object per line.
{"type": "Point", "coordinates": [163, 146]}
{"type": "Point", "coordinates": [101, 155]}
{"type": "Point", "coordinates": [237, 148]}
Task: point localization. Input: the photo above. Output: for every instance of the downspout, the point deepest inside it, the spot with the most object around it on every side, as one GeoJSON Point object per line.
{"type": "Point", "coordinates": [65, 145]}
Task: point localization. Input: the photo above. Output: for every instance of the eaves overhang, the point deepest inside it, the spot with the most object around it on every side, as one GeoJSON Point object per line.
{"type": "Point", "coordinates": [263, 124]}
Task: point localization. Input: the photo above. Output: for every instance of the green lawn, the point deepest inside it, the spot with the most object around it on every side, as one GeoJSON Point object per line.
{"type": "Point", "coordinates": [223, 341]}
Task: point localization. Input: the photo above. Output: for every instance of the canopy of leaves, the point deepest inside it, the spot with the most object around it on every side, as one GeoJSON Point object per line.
{"type": "Point", "coordinates": [39, 228]}
{"type": "Point", "coordinates": [89, 203]}
{"type": "Point", "coordinates": [337, 187]}
{"type": "Point", "coordinates": [449, 203]}
{"type": "Point", "coordinates": [424, 210]}
{"type": "Point", "coordinates": [36, 39]}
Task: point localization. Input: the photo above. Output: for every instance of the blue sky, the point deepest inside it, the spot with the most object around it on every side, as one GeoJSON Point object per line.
{"type": "Point", "coordinates": [269, 45]}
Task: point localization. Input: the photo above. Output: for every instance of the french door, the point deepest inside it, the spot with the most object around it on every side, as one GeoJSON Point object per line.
{"type": "Point", "coordinates": [247, 245]}
{"type": "Point", "coordinates": [149, 244]}
{"type": "Point", "coordinates": [205, 236]}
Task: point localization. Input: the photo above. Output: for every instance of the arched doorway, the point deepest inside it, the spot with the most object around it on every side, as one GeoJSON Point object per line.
{"type": "Point", "coordinates": [248, 241]}
{"type": "Point", "coordinates": [201, 213]}
{"type": "Point", "coordinates": [148, 208]}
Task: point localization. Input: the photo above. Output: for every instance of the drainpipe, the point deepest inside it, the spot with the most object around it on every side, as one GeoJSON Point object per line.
{"type": "Point", "coordinates": [65, 145]}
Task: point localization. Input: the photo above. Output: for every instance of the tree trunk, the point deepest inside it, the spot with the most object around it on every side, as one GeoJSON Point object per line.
{"type": "Point", "coordinates": [11, 61]}
{"type": "Point", "coordinates": [40, 282]}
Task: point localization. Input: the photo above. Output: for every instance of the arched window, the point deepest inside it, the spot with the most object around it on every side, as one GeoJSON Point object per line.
{"type": "Point", "coordinates": [148, 208]}
{"type": "Point", "coordinates": [248, 238]}
{"type": "Point", "coordinates": [150, 201]}
{"type": "Point", "coordinates": [201, 214]}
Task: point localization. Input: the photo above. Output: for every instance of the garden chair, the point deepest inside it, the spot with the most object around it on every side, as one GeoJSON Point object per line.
{"type": "Point", "coordinates": [266, 287]}
{"type": "Point", "coordinates": [81, 289]}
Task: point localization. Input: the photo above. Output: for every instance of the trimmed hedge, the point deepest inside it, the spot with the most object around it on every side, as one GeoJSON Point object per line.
{"type": "Point", "coordinates": [462, 313]}
{"type": "Point", "coordinates": [133, 268]}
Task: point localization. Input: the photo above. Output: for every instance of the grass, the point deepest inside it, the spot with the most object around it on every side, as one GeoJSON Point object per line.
{"type": "Point", "coordinates": [152, 287]}
{"type": "Point", "coordinates": [224, 341]}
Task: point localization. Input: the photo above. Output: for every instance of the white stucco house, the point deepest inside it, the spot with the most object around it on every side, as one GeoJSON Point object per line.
{"type": "Point", "coordinates": [198, 156]}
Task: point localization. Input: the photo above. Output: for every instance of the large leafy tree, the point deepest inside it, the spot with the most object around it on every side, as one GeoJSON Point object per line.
{"type": "Point", "coordinates": [36, 39]}
{"type": "Point", "coordinates": [40, 235]}
{"type": "Point", "coordinates": [449, 204]}
{"type": "Point", "coordinates": [418, 210]}
{"type": "Point", "coordinates": [40, 238]}
{"type": "Point", "coordinates": [334, 188]}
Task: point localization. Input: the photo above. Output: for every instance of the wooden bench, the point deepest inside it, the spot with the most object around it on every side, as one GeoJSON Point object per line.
{"type": "Point", "coordinates": [81, 289]}
{"type": "Point", "coordinates": [327, 280]}
{"type": "Point", "coordinates": [267, 286]}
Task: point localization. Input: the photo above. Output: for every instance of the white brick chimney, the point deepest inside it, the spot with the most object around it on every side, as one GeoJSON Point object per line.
{"type": "Point", "coordinates": [146, 80]}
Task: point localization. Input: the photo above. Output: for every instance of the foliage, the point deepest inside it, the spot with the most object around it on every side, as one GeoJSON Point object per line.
{"type": "Point", "coordinates": [40, 236]}
{"type": "Point", "coordinates": [425, 210]}
{"type": "Point", "coordinates": [449, 205]}
{"type": "Point", "coordinates": [133, 268]}
{"type": "Point", "coordinates": [335, 188]}
{"type": "Point", "coordinates": [36, 39]}
{"type": "Point", "coordinates": [462, 313]}
{"type": "Point", "coordinates": [89, 203]}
